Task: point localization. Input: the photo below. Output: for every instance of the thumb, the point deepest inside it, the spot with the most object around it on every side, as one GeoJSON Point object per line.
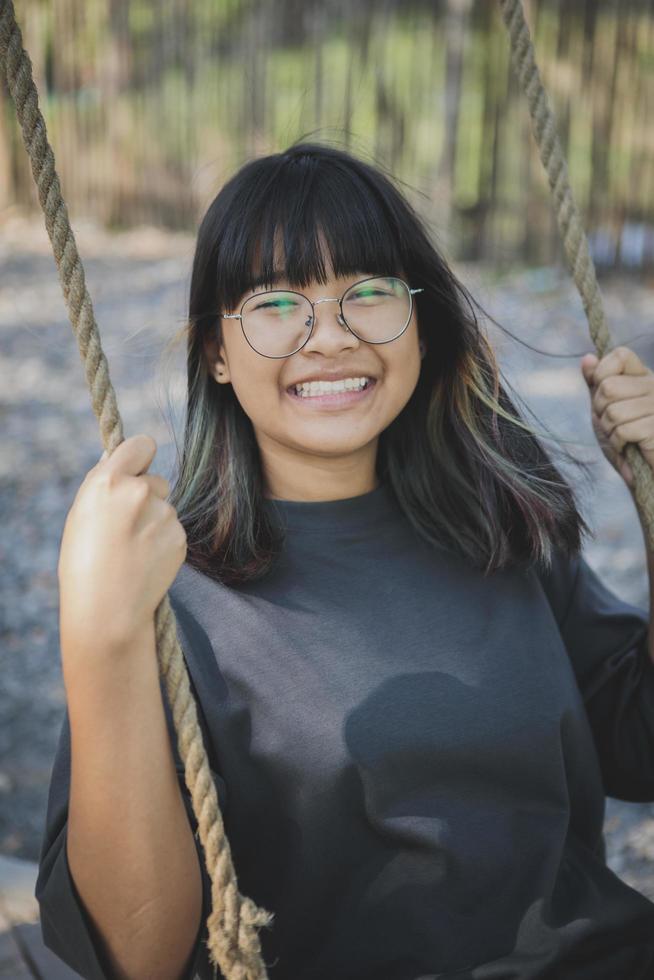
{"type": "Point", "coordinates": [588, 364]}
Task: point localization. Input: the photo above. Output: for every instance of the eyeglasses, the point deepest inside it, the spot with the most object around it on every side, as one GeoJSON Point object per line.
{"type": "Point", "coordinates": [279, 322]}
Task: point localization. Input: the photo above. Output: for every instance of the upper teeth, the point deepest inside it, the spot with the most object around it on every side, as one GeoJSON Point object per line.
{"type": "Point", "coordinates": [309, 388]}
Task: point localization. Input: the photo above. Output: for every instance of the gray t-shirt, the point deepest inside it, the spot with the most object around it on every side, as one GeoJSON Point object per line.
{"type": "Point", "coordinates": [411, 759]}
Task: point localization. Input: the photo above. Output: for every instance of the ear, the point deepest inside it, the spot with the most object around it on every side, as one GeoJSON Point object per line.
{"type": "Point", "coordinates": [216, 360]}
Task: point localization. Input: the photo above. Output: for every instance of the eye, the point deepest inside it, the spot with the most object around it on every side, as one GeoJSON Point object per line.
{"type": "Point", "coordinates": [276, 303]}
{"type": "Point", "coordinates": [367, 292]}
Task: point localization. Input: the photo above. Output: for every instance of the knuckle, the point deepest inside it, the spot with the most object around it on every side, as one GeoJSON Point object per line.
{"type": "Point", "coordinates": [170, 511]}
{"type": "Point", "coordinates": [150, 532]}
{"type": "Point", "coordinates": [140, 491]}
{"type": "Point", "coordinates": [107, 479]}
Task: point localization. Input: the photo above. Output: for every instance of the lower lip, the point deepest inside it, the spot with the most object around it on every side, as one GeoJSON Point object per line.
{"type": "Point", "coordinates": [339, 399]}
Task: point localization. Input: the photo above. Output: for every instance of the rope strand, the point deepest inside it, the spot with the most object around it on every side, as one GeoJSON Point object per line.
{"type": "Point", "coordinates": [233, 942]}
{"type": "Point", "coordinates": [570, 224]}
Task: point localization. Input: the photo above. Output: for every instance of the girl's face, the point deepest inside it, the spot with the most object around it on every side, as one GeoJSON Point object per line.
{"type": "Point", "coordinates": [318, 448]}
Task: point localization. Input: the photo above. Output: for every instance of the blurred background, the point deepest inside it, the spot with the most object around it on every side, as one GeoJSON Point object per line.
{"type": "Point", "coordinates": [151, 105]}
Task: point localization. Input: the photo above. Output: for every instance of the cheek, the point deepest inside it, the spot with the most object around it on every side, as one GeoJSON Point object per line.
{"type": "Point", "coordinates": [399, 376]}
{"type": "Point", "coordinates": [258, 391]}
{"type": "Point", "coordinates": [402, 373]}
{"type": "Point", "coordinates": [405, 362]}
{"type": "Point", "coordinates": [403, 381]}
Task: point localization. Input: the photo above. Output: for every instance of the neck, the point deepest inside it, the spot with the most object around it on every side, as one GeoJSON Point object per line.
{"type": "Point", "coordinates": [312, 478]}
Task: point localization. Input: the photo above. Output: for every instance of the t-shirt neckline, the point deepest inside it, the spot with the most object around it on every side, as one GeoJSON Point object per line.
{"type": "Point", "coordinates": [346, 513]}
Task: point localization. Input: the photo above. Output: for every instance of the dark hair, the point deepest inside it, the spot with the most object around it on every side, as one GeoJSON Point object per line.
{"type": "Point", "coordinates": [467, 471]}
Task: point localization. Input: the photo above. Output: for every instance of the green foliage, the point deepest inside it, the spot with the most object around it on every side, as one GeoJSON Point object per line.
{"type": "Point", "coordinates": [149, 103]}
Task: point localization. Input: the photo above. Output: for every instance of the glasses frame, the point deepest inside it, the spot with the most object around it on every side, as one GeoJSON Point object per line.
{"type": "Point", "coordinates": [325, 299]}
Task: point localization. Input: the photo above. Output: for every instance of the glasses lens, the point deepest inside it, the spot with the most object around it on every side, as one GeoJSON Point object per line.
{"type": "Point", "coordinates": [378, 310]}
{"type": "Point", "coordinates": [277, 323]}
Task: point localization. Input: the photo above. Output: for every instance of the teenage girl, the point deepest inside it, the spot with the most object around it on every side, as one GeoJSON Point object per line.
{"type": "Point", "coordinates": [415, 693]}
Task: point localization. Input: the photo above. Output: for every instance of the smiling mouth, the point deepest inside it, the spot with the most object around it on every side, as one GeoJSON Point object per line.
{"type": "Point", "coordinates": [334, 399]}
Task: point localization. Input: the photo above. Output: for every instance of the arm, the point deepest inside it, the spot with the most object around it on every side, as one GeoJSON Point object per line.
{"type": "Point", "coordinates": [130, 847]}
{"type": "Point", "coordinates": [607, 642]}
{"type": "Point", "coordinates": [649, 551]}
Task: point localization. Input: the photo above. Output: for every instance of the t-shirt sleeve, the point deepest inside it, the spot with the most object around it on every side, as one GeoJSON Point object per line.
{"type": "Point", "coordinates": [607, 641]}
{"type": "Point", "coordinates": [66, 926]}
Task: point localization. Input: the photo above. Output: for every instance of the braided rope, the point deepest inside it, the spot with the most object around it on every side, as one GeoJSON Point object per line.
{"type": "Point", "coordinates": [233, 942]}
{"type": "Point", "coordinates": [570, 223]}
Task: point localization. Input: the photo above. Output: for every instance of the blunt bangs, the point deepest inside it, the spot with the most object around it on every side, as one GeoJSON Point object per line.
{"type": "Point", "coordinates": [286, 210]}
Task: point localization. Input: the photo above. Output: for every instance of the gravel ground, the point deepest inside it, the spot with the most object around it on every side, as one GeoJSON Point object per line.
{"type": "Point", "coordinates": [138, 281]}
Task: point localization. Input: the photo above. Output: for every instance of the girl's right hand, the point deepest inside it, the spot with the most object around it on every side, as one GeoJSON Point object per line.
{"type": "Point", "coordinates": [121, 549]}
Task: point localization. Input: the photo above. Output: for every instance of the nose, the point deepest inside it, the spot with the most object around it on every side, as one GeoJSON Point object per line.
{"type": "Point", "coordinates": [339, 317]}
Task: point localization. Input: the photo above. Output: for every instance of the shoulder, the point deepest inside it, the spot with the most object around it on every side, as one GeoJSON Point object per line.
{"type": "Point", "coordinates": [200, 605]}
{"type": "Point", "coordinates": [559, 580]}
{"type": "Point", "coordinates": [190, 592]}
{"type": "Point", "coordinates": [186, 582]}
{"type": "Point", "coordinates": [582, 601]}
{"type": "Point", "coordinates": [194, 591]}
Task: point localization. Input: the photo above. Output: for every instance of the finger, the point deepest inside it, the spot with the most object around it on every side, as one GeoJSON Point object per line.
{"type": "Point", "coordinates": [588, 364]}
{"type": "Point", "coordinates": [133, 455]}
{"type": "Point", "coordinates": [159, 485]}
{"type": "Point", "coordinates": [627, 473]}
{"type": "Point", "coordinates": [638, 431]}
{"type": "Point", "coordinates": [621, 360]}
{"type": "Point", "coordinates": [97, 466]}
{"type": "Point", "coordinates": [623, 412]}
{"type": "Point", "coordinates": [621, 387]}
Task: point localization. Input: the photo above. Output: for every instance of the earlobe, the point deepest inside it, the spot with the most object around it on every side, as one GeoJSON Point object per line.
{"type": "Point", "coordinates": [217, 366]}
{"type": "Point", "coordinates": [215, 359]}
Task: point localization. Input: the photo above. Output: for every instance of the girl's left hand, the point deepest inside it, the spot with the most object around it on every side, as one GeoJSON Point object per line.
{"type": "Point", "coordinates": [621, 388]}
